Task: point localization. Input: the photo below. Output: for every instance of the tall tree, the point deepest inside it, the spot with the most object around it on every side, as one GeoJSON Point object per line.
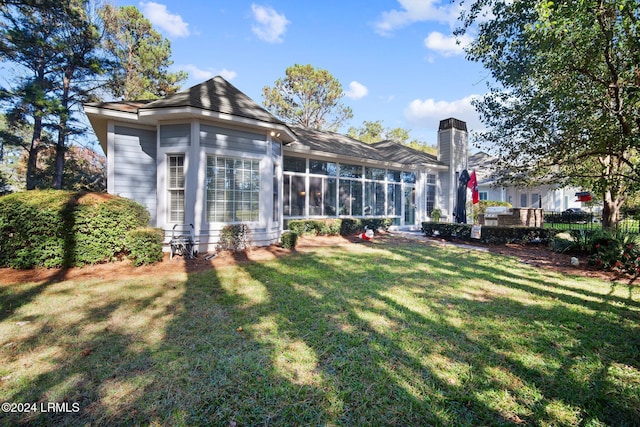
{"type": "Point", "coordinates": [565, 105]}
{"type": "Point", "coordinates": [309, 97]}
{"type": "Point", "coordinates": [27, 34]}
{"type": "Point", "coordinates": [141, 56]}
{"type": "Point", "coordinates": [79, 62]}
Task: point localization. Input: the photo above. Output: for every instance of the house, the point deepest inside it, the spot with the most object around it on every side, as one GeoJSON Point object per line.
{"type": "Point", "coordinates": [547, 197]}
{"type": "Point", "coordinates": [211, 156]}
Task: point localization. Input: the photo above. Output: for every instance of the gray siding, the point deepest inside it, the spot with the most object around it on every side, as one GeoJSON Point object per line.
{"type": "Point", "coordinates": [175, 135]}
{"type": "Point", "coordinates": [230, 139]}
{"type": "Point", "coordinates": [135, 166]}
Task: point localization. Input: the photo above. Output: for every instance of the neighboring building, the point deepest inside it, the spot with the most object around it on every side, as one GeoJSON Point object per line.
{"type": "Point", "coordinates": [547, 197]}
{"type": "Point", "coordinates": [211, 156]}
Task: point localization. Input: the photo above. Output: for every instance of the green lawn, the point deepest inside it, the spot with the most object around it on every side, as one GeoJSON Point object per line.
{"type": "Point", "coordinates": [407, 335]}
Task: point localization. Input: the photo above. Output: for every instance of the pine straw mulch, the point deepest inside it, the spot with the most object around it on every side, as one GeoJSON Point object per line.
{"type": "Point", "coordinates": [534, 255]}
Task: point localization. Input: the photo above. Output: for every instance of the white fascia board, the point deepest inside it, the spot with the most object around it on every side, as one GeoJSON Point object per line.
{"type": "Point", "coordinates": [110, 113]}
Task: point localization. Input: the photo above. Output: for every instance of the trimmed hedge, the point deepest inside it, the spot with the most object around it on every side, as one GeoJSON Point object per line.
{"type": "Point", "coordinates": [144, 245]}
{"type": "Point", "coordinates": [289, 240]}
{"type": "Point", "coordinates": [53, 228]}
{"type": "Point", "coordinates": [489, 234]}
{"type": "Point", "coordinates": [334, 227]}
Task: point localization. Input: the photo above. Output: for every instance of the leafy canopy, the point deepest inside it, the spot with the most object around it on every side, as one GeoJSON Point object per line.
{"type": "Point", "coordinates": [308, 97]}
{"type": "Point", "coordinates": [565, 105]}
{"type": "Point", "coordinates": [141, 56]}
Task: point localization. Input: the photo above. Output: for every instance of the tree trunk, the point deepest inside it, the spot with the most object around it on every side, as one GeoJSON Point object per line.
{"type": "Point", "coordinates": [32, 162]}
{"type": "Point", "coordinates": [611, 211]}
{"type": "Point", "coordinates": [62, 131]}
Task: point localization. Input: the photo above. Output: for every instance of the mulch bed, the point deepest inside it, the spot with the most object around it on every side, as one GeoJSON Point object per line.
{"type": "Point", "coordinates": [534, 255]}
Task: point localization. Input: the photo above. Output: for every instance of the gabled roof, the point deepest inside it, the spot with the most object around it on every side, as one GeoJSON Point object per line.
{"type": "Point", "coordinates": [217, 95]}
{"type": "Point", "coordinates": [406, 155]}
{"type": "Point", "coordinates": [216, 99]}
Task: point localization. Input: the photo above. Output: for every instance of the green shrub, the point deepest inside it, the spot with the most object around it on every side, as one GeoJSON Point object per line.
{"type": "Point", "coordinates": [351, 226]}
{"type": "Point", "coordinates": [319, 227]}
{"type": "Point", "coordinates": [617, 251]}
{"type": "Point", "coordinates": [144, 245]}
{"type": "Point", "coordinates": [574, 242]}
{"type": "Point", "coordinates": [234, 237]}
{"type": "Point", "coordinates": [289, 240]}
{"type": "Point", "coordinates": [101, 226]}
{"type": "Point", "coordinates": [53, 228]}
{"type": "Point", "coordinates": [489, 234]}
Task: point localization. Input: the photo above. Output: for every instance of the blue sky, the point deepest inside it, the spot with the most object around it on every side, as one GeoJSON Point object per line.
{"type": "Point", "coordinates": [397, 60]}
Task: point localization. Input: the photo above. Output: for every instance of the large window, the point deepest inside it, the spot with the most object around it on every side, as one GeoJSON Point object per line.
{"type": "Point", "coordinates": [233, 190]}
{"type": "Point", "coordinates": [175, 188]}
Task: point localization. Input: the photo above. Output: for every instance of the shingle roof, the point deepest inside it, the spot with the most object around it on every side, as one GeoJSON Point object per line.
{"type": "Point", "coordinates": [484, 165]}
{"type": "Point", "coordinates": [334, 143]}
{"type": "Point", "coordinates": [402, 154]}
{"type": "Point", "coordinates": [217, 95]}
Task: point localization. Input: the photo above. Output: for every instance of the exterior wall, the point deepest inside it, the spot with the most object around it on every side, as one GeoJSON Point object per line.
{"type": "Point", "coordinates": [198, 140]}
{"type": "Point", "coordinates": [132, 166]}
{"type": "Point", "coordinates": [452, 151]}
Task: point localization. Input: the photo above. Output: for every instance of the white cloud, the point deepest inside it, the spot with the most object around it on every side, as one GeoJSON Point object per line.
{"type": "Point", "coordinates": [356, 90]}
{"type": "Point", "coordinates": [201, 75]}
{"type": "Point", "coordinates": [447, 45]}
{"type": "Point", "coordinates": [428, 113]}
{"type": "Point", "coordinates": [159, 16]}
{"type": "Point", "coordinates": [270, 26]}
{"type": "Point", "coordinates": [416, 11]}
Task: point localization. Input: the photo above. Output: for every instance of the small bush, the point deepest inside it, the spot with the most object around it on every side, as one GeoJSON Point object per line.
{"type": "Point", "coordinates": [234, 237]}
{"type": "Point", "coordinates": [289, 240]}
{"type": "Point", "coordinates": [574, 242]}
{"type": "Point", "coordinates": [144, 245]}
{"type": "Point", "coordinates": [618, 252]}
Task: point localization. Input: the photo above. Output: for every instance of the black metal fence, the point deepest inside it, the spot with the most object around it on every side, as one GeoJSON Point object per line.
{"type": "Point", "coordinates": [586, 221]}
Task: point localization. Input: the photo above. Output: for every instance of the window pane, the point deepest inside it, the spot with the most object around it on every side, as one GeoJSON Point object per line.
{"type": "Point", "coordinates": [315, 196]}
{"type": "Point", "coordinates": [295, 164]}
{"type": "Point", "coordinates": [379, 196]}
{"type": "Point", "coordinates": [393, 176]}
{"type": "Point", "coordinates": [330, 197]}
{"type": "Point", "coordinates": [375, 174]}
{"type": "Point", "coordinates": [350, 171]}
{"type": "Point", "coordinates": [394, 200]}
{"type": "Point", "coordinates": [175, 184]}
{"type": "Point", "coordinates": [298, 196]}
{"type": "Point", "coordinates": [369, 198]}
{"type": "Point", "coordinates": [233, 189]}
{"type": "Point", "coordinates": [322, 168]}
{"type": "Point", "coordinates": [345, 197]}
{"type": "Point", "coordinates": [409, 177]}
